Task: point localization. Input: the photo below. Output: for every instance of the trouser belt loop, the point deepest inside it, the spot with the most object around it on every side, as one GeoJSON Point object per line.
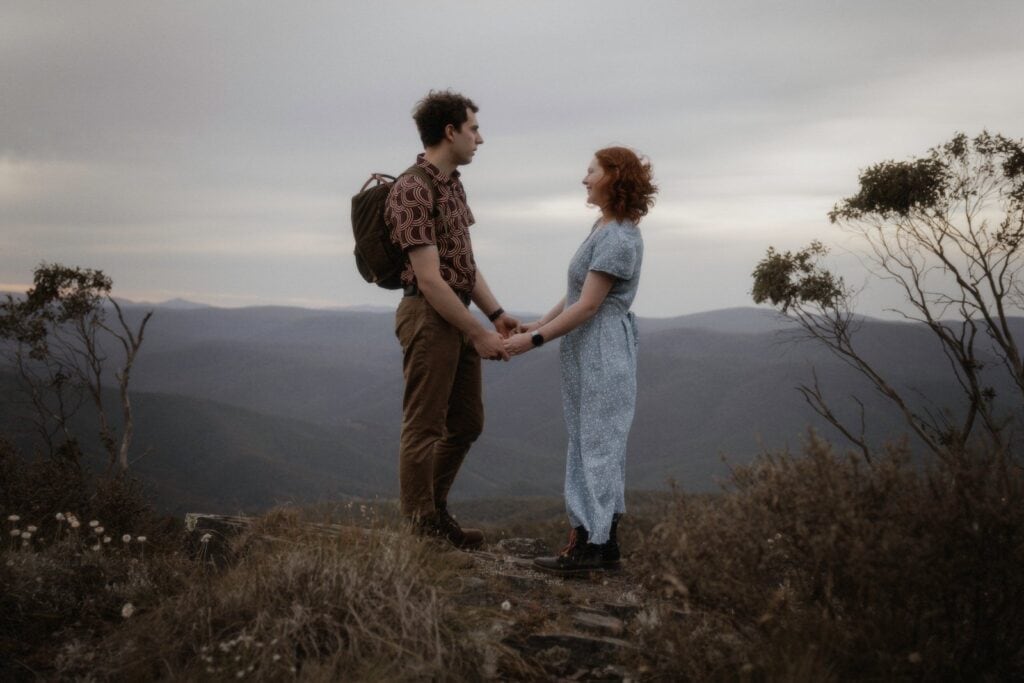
{"type": "Point", "coordinates": [413, 290]}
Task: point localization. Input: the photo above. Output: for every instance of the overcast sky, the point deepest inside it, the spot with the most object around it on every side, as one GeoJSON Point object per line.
{"type": "Point", "coordinates": [209, 150]}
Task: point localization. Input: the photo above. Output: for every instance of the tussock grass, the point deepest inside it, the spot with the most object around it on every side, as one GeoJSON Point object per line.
{"type": "Point", "coordinates": [822, 568]}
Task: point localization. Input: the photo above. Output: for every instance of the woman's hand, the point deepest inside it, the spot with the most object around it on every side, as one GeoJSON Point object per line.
{"type": "Point", "coordinates": [506, 325]}
{"type": "Point", "coordinates": [528, 327]}
{"type": "Point", "coordinates": [518, 344]}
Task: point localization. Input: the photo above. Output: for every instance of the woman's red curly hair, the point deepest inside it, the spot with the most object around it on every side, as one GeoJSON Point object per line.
{"type": "Point", "coordinates": [629, 184]}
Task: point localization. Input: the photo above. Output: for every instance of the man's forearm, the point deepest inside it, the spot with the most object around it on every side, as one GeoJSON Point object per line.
{"type": "Point", "coordinates": [443, 299]}
{"type": "Point", "coordinates": [483, 297]}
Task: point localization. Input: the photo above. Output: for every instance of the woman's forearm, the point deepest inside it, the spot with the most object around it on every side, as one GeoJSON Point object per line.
{"type": "Point", "coordinates": [567, 320]}
{"type": "Point", "coordinates": [553, 313]}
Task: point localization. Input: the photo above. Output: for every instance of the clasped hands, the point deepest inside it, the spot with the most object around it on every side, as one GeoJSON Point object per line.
{"type": "Point", "coordinates": [510, 338]}
{"type": "Point", "coordinates": [521, 341]}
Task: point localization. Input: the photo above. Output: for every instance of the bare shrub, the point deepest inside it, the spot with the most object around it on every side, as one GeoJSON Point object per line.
{"type": "Point", "coordinates": [820, 567]}
{"type": "Point", "coordinates": [37, 488]}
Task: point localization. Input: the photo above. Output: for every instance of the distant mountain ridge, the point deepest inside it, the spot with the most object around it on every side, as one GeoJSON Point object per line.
{"type": "Point", "coordinates": [246, 407]}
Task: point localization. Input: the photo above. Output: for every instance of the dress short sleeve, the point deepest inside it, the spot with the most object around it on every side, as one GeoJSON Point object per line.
{"type": "Point", "coordinates": [615, 253]}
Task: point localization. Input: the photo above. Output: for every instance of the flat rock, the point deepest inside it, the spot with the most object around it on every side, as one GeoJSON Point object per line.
{"type": "Point", "coordinates": [578, 643]}
{"type": "Point", "coordinates": [601, 623]}
{"type": "Point", "coordinates": [622, 610]}
{"type": "Point", "coordinates": [522, 547]}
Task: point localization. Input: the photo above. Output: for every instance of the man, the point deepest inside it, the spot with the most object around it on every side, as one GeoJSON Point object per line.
{"type": "Point", "coordinates": [442, 342]}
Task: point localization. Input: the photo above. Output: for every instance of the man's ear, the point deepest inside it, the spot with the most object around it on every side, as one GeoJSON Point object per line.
{"type": "Point", "coordinates": [449, 132]}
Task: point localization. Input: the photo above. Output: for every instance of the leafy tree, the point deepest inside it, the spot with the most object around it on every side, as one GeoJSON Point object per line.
{"type": "Point", "coordinates": [948, 229]}
{"type": "Point", "coordinates": [56, 336]}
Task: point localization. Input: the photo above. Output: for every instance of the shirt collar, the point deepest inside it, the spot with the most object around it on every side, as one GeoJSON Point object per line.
{"type": "Point", "coordinates": [434, 171]}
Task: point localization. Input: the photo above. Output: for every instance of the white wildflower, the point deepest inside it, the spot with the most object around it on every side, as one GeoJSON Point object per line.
{"type": "Point", "coordinates": [276, 657]}
{"type": "Point", "coordinates": [96, 547]}
{"type": "Point", "coordinates": [506, 606]}
{"type": "Point", "coordinates": [98, 530]}
{"type": "Point", "coordinates": [59, 516]}
{"type": "Point", "coordinates": [94, 523]}
{"type": "Point", "coordinates": [26, 535]}
{"type": "Point", "coordinates": [127, 538]}
{"type": "Point", "coordinates": [13, 518]}
{"type": "Point", "coordinates": [15, 532]}
{"type": "Point", "coordinates": [32, 528]}
{"type": "Point", "coordinates": [128, 610]}
{"type": "Point", "coordinates": [240, 674]}
{"type": "Point", "coordinates": [141, 539]}
{"type": "Point", "coordinates": [75, 523]}
{"type": "Point", "coordinates": [106, 539]}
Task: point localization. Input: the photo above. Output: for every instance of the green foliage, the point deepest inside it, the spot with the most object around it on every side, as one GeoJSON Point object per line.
{"type": "Point", "coordinates": [929, 186]}
{"type": "Point", "coordinates": [792, 279]}
{"type": "Point", "coordinates": [895, 188]}
{"type": "Point", "coordinates": [822, 568]}
{"type": "Point", "coordinates": [59, 295]}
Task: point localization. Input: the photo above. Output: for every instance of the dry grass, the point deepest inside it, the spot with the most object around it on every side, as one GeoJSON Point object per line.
{"type": "Point", "coordinates": [811, 567]}
{"type": "Point", "coordinates": [374, 606]}
{"type": "Point", "coordinates": [821, 568]}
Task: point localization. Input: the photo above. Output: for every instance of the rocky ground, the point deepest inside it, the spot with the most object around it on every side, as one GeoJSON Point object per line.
{"type": "Point", "coordinates": [568, 628]}
{"type": "Point", "coordinates": [574, 628]}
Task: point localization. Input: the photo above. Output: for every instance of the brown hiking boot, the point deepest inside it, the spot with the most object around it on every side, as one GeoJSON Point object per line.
{"type": "Point", "coordinates": [577, 558]}
{"type": "Point", "coordinates": [464, 538]}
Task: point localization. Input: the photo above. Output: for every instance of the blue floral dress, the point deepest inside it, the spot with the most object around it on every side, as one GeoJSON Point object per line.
{"type": "Point", "coordinates": [598, 364]}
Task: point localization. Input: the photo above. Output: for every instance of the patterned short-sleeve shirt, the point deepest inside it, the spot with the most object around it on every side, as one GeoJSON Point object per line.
{"type": "Point", "coordinates": [408, 213]}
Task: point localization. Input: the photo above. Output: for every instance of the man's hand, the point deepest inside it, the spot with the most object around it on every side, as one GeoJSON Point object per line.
{"type": "Point", "coordinates": [506, 325]}
{"type": "Point", "coordinates": [489, 345]}
{"type": "Point", "coordinates": [528, 327]}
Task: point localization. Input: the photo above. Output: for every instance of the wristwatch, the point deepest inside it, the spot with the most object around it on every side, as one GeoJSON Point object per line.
{"type": "Point", "coordinates": [537, 338]}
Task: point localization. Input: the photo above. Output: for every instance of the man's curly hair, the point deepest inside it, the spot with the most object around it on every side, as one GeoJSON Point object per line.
{"type": "Point", "coordinates": [439, 108]}
{"type": "Point", "coordinates": [629, 183]}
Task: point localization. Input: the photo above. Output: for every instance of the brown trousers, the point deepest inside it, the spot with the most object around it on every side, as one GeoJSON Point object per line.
{"type": "Point", "coordinates": [442, 408]}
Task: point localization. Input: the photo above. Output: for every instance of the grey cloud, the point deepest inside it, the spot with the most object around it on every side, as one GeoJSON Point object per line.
{"type": "Point", "coordinates": [190, 126]}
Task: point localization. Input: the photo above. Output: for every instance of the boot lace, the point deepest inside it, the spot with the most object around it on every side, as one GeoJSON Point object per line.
{"type": "Point", "coordinates": [571, 546]}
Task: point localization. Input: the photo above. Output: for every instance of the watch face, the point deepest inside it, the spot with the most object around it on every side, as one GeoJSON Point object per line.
{"type": "Point", "coordinates": [537, 339]}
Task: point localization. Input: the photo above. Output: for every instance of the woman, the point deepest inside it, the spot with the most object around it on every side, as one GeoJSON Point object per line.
{"type": "Point", "coordinates": [598, 358]}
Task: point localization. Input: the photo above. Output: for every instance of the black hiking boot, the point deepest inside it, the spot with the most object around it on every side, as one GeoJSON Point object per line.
{"type": "Point", "coordinates": [610, 556]}
{"type": "Point", "coordinates": [576, 559]}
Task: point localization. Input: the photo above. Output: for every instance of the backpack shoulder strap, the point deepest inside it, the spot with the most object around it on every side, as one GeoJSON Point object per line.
{"type": "Point", "coordinates": [428, 181]}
